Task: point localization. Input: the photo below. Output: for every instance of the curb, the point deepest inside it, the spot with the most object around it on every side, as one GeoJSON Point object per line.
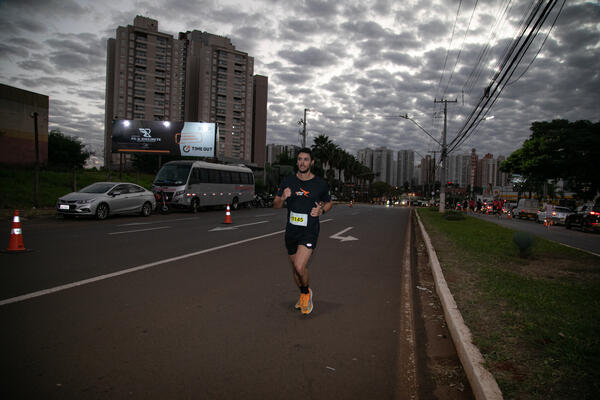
{"type": "Point", "coordinates": [482, 382]}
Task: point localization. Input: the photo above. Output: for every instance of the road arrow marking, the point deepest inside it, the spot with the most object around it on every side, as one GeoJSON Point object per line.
{"type": "Point", "coordinates": [230, 228]}
{"type": "Point", "coordinates": [343, 238]}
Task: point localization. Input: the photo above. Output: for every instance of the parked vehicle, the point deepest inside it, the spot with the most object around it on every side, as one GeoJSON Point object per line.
{"type": "Point", "coordinates": [554, 214]}
{"type": "Point", "coordinates": [586, 217]}
{"type": "Point", "coordinates": [527, 208]}
{"type": "Point", "coordinates": [195, 184]}
{"type": "Point", "coordinates": [102, 199]}
{"type": "Point", "coordinates": [262, 200]}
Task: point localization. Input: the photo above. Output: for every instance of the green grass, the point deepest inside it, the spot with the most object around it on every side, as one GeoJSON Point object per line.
{"type": "Point", "coordinates": [17, 185]}
{"type": "Point", "coordinates": [536, 320]}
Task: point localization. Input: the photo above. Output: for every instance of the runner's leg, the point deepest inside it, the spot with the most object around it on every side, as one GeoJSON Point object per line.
{"type": "Point", "coordinates": [300, 264]}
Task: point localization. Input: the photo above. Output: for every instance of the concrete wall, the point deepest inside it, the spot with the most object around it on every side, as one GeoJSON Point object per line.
{"type": "Point", "coordinates": [17, 131]}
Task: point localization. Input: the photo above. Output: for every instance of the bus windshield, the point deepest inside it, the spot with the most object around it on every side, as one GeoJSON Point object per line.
{"type": "Point", "coordinates": [173, 175]}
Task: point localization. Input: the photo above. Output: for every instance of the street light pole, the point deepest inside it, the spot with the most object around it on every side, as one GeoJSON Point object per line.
{"type": "Point", "coordinates": [303, 122]}
{"type": "Point", "coordinates": [443, 157]}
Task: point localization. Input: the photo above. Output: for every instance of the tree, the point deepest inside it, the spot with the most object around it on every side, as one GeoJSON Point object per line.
{"type": "Point", "coordinates": [559, 150]}
{"type": "Point", "coordinates": [65, 151]}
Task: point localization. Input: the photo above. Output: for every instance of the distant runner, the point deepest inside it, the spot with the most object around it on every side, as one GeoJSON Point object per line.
{"type": "Point", "coordinates": [307, 198]}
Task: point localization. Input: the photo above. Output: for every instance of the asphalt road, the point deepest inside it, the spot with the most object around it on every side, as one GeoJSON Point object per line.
{"type": "Point", "coordinates": [182, 306]}
{"type": "Point", "coordinates": [587, 241]}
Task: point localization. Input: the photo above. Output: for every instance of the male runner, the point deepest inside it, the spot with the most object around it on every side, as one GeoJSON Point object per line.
{"type": "Point", "coordinates": [307, 198]}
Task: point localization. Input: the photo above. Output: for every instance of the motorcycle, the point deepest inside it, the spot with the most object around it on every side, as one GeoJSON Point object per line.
{"type": "Point", "coordinates": [161, 202]}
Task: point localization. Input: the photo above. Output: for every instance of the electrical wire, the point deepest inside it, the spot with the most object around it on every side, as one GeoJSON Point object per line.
{"type": "Point", "coordinates": [472, 123]}
{"type": "Point", "coordinates": [542, 45]}
{"type": "Point", "coordinates": [461, 48]}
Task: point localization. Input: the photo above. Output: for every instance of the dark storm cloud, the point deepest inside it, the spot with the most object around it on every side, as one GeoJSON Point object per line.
{"type": "Point", "coordinates": [318, 8]}
{"type": "Point", "coordinates": [36, 65]}
{"type": "Point", "coordinates": [435, 30]}
{"type": "Point", "coordinates": [26, 43]}
{"type": "Point", "coordinates": [312, 57]}
{"type": "Point", "coordinates": [10, 52]}
{"type": "Point", "coordinates": [291, 78]}
{"type": "Point", "coordinates": [299, 29]}
{"type": "Point", "coordinates": [580, 14]}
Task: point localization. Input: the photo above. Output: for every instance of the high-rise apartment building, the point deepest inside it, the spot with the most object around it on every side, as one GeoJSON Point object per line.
{"type": "Point", "coordinates": [487, 172]}
{"type": "Point", "coordinates": [198, 77]}
{"type": "Point", "coordinates": [458, 169]}
{"type": "Point", "coordinates": [144, 77]}
{"type": "Point", "coordinates": [472, 173]}
{"type": "Point", "coordinates": [405, 167]}
{"type": "Point", "coordinates": [365, 157]}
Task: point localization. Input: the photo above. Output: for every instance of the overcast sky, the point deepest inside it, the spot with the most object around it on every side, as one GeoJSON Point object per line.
{"type": "Point", "coordinates": [356, 65]}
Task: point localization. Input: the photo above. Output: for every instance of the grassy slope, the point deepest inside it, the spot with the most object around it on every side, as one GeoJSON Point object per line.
{"type": "Point", "coordinates": [17, 185]}
{"type": "Point", "coordinates": [536, 321]}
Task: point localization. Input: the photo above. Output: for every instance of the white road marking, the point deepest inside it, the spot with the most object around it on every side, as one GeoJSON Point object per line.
{"type": "Point", "coordinates": [139, 230]}
{"type": "Point", "coordinates": [343, 238]}
{"type": "Point", "coordinates": [158, 222]}
{"type": "Point", "coordinates": [129, 270]}
{"type": "Point", "coordinates": [229, 228]}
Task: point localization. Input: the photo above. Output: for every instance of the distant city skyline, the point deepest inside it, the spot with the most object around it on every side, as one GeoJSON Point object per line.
{"type": "Point", "coordinates": [357, 66]}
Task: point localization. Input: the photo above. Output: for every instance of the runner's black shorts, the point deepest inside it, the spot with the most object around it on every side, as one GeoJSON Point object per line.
{"type": "Point", "coordinates": [303, 237]}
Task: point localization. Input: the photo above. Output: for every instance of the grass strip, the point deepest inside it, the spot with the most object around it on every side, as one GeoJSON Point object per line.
{"type": "Point", "coordinates": [535, 320]}
{"type": "Point", "coordinates": [17, 185]}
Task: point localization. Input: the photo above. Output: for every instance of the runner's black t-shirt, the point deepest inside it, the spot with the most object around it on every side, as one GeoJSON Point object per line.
{"type": "Point", "coordinates": [304, 196]}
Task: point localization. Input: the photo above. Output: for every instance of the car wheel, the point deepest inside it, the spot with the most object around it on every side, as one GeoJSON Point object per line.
{"type": "Point", "coordinates": [102, 211]}
{"type": "Point", "coordinates": [146, 209]}
{"type": "Point", "coordinates": [195, 205]}
{"type": "Point", "coordinates": [235, 203]}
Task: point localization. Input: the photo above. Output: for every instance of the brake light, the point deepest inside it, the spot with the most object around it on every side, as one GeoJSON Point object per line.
{"type": "Point", "coordinates": [594, 213]}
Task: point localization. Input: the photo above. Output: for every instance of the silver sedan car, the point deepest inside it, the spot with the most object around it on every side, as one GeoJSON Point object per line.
{"type": "Point", "coordinates": [102, 199]}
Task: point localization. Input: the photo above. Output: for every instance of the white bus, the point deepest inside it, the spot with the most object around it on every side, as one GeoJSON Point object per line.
{"type": "Point", "coordinates": [195, 184]}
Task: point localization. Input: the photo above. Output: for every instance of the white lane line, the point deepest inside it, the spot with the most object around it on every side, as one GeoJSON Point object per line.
{"type": "Point", "coordinates": [139, 230]}
{"type": "Point", "coordinates": [159, 222]}
{"type": "Point", "coordinates": [232, 227]}
{"type": "Point", "coordinates": [265, 215]}
{"type": "Point", "coordinates": [128, 271]}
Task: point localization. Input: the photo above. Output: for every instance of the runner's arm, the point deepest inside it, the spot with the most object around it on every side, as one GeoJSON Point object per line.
{"type": "Point", "coordinates": [279, 200]}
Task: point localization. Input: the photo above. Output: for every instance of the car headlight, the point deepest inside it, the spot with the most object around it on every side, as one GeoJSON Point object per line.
{"type": "Point", "coordinates": [179, 193]}
{"type": "Point", "coordinates": [86, 201]}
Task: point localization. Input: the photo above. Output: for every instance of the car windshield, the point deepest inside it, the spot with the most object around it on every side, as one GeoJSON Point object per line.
{"type": "Point", "coordinates": [562, 209]}
{"type": "Point", "coordinates": [98, 187]}
{"type": "Point", "coordinates": [174, 174]}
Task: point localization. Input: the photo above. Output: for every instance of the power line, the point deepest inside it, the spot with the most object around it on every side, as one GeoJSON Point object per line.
{"type": "Point", "coordinates": [450, 46]}
{"type": "Point", "coordinates": [498, 83]}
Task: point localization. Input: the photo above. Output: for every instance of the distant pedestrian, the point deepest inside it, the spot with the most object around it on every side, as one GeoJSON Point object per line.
{"type": "Point", "coordinates": [307, 198]}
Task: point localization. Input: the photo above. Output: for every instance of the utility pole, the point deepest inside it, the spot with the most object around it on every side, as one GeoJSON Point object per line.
{"type": "Point", "coordinates": [36, 178]}
{"type": "Point", "coordinates": [444, 155]}
{"type": "Point", "coordinates": [303, 122]}
{"type": "Point", "coordinates": [431, 174]}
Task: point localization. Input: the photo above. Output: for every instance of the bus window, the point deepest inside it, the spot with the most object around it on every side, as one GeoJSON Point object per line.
{"type": "Point", "coordinates": [225, 177]}
{"type": "Point", "coordinates": [246, 177]}
{"type": "Point", "coordinates": [235, 178]}
{"type": "Point", "coordinates": [214, 176]}
{"type": "Point", "coordinates": [195, 176]}
{"type": "Point", "coordinates": [204, 178]}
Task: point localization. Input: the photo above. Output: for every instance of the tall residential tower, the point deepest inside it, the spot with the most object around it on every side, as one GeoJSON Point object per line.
{"type": "Point", "coordinates": [198, 77]}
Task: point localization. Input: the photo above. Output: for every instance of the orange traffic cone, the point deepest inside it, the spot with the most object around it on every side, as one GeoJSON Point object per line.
{"type": "Point", "coordinates": [16, 235]}
{"type": "Point", "coordinates": [227, 216]}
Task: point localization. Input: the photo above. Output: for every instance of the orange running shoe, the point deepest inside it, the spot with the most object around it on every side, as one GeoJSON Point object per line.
{"type": "Point", "coordinates": [307, 303]}
{"type": "Point", "coordinates": [299, 303]}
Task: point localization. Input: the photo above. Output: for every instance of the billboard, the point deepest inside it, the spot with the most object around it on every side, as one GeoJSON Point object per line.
{"type": "Point", "coordinates": [176, 138]}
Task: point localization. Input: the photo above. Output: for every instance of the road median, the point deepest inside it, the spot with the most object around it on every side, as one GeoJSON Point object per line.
{"type": "Point", "coordinates": [534, 320]}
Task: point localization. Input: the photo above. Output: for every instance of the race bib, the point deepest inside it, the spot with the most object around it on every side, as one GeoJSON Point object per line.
{"type": "Point", "coordinates": [298, 219]}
